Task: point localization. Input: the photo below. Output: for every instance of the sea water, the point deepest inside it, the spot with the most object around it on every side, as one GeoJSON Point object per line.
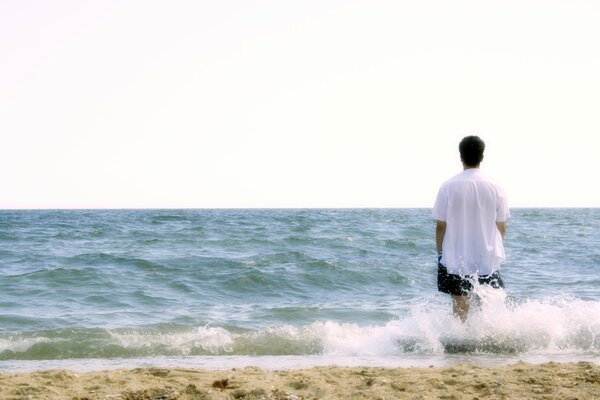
{"type": "Point", "coordinates": [90, 289]}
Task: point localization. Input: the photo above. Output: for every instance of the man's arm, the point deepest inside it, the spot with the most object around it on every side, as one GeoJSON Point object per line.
{"type": "Point", "coordinates": [440, 231]}
{"type": "Point", "coordinates": [501, 228]}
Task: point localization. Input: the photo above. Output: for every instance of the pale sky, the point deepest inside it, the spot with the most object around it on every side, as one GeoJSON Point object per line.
{"type": "Point", "coordinates": [244, 103]}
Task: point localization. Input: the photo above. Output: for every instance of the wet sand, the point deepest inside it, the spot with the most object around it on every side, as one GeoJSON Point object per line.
{"type": "Point", "coordinates": [518, 381]}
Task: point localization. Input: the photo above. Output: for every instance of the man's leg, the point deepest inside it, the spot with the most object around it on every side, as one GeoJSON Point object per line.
{"type": "Point", "coordinates": [460, 306]}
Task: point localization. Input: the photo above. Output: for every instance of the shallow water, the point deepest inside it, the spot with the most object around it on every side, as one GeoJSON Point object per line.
{"type": "Point", "coordinates": [313, 285]}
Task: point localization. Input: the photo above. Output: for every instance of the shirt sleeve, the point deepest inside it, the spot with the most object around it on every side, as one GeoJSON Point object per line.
{"type": "Point", "coordinates": [440, 207]}
{"type": "Point", "coordinates": [502, 212]}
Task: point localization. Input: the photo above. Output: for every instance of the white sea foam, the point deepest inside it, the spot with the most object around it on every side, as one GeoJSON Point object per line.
{"type": "Point", "coordinates": [497, 325]}
{"type": "Point", "coordinates": [17, 344]}
{"type": "Point", "coordinates": [214, 339]}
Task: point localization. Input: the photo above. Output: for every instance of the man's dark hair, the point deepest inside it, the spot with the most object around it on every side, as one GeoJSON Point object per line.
{"type": "Point", "coordinates": [471, 150]}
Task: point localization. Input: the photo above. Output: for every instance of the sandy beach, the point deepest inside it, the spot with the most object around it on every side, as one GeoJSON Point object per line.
{"type": "Point", "coordinates": [518, 381]}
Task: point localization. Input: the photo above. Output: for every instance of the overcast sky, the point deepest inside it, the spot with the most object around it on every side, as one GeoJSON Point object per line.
{"type": "Point", "coordinates": [119, 104]}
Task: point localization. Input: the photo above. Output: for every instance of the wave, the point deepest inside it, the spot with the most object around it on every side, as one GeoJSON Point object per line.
{"type": "Point", "coordinates": [497, 326]}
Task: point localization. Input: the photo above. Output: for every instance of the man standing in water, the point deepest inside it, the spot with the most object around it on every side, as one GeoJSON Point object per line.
{"type": "Point", "coordinates": [471, 211]}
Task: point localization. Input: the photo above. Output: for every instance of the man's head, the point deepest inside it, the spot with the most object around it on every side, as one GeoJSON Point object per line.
{"type": "Point", "coordinates": [471, 151]}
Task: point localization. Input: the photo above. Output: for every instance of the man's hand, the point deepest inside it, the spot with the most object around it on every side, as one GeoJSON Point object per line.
{"type": "Point", "coordinates": [440, 232]}
{"type": "Point", "coordinates": [501, 228]}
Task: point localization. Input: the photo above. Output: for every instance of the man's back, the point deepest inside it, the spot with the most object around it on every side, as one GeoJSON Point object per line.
{"type": "Point", "coordinates": [471, 203]}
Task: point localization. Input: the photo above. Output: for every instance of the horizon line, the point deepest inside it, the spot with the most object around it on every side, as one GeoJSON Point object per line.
{"type": "Point", "coordinates": [265, 208]}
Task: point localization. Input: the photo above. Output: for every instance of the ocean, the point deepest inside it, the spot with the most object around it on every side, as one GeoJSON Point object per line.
{"type": "Point", "coordinates": [284, 288]}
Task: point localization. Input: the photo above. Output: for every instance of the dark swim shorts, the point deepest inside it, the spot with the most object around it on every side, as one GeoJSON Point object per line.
{"type": "Point", "coordinates": [461, 285]}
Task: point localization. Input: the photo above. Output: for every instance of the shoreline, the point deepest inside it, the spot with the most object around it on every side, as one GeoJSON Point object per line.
{"type": "Point", "coordinates": [270, 363]}
{"type": "Point", "coordinates": [520, 380]}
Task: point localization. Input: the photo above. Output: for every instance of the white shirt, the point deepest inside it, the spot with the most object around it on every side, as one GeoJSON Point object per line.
{"type": "Point", "coordinates": [471, 203]}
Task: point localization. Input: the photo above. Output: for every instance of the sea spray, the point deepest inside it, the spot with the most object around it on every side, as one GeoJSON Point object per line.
{"type": "Point", "coordinates": [538, 327]}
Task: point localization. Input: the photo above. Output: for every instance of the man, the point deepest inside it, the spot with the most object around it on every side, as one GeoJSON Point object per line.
{"type": "Point", "coordinates": [471, 212]}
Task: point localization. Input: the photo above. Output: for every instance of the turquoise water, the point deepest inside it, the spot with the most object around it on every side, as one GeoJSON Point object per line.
{"type": "Point", "coordinates": [317, 285]}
